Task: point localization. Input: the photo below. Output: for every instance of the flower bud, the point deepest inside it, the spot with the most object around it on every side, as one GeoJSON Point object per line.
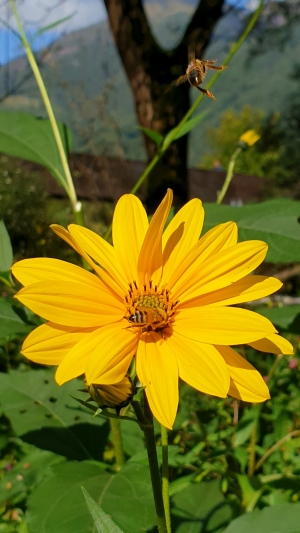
{"type": "Point", "coordinates": [115, 396]}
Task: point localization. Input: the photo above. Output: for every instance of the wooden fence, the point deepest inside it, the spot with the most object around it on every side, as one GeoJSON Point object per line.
{"type": "Point", "coordinates": [102, 178]}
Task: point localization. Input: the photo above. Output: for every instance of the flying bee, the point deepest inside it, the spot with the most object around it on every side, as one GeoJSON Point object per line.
{"type": "Point", "coordinates": [196, 72]}
{"type": "Point", "coordinates": [149, 318]}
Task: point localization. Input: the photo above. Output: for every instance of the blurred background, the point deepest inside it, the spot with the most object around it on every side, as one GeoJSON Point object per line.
{"type": "Point", "coordinates": [107, 77]}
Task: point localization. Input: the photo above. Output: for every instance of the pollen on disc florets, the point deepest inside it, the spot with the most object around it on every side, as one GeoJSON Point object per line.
{"type": "Point", "coordinates": [148, 307]}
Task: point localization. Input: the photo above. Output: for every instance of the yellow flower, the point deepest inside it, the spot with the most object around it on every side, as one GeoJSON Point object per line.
{"type": "Point", "coordinates": [249, 138]}
{"type": "Point", "coordinates": [160, 295]}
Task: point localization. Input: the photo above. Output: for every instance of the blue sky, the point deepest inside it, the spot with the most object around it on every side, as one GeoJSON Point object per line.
{"type": "Point", "coordinates": [36, 14]}
{"type": "Point", "coordinates": [10, 46]}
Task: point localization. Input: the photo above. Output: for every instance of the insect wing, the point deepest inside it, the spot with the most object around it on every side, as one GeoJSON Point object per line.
{"type": "Point", "coordinates": [191, 53]}
{"type": "Point", "coordinates": [180, 80]}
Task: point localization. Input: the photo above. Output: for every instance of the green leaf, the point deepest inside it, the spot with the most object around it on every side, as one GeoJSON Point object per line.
{"type": "Point", "coordinates": [283, 317]}
{"type": "Point", "coordinates": [44, 414]}
{"type": "Point", "coordinates": [201, 507]}
{"type": "Point", "coordinates": [10, 322]}
{"type": "Point", "coordinates": [57, 504]}
{"type": "Point", "coordinates": [6, 253]}
{"type": "Point", "coordinates": [191, 124]}
{"type": "Point", "coordinates": [251, 490]}
{"type": "Point", "coordinates": [246, 425]}
{"type": "Point", "coordinates": [132, 437]}
{"type": "Point", "coordinates": [129, 499]}
{"type": "Point", "coordinates": [103, 522]}
{"type": "Point", "coordinates": [186, 128]}
{"type": "Point", "coordinates": [51, 26]}
{"type": "Point", "coordinates": [29, 137]}
{"type": "Point", "coordinates": [154, 135]}
{"type": "Point", "coordinates": [275, 222]}
{"type": "Point", "coordinates": [283, 518]}
{"type": "Point", "coordinates": [31, 470]}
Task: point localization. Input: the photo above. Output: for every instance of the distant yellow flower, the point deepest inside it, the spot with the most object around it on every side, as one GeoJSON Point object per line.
{"type": "Point", "coordinates": [161, 296]}
{"type": "Point", "coordinates": [249, 138]}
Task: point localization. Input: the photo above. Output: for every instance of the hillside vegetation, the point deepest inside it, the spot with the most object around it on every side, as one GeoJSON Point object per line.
{"type": "Point", "coordinates": [90, 91]}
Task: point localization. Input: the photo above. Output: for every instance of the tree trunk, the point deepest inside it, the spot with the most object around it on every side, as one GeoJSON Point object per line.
{"type": "Point", "coordinates": [150, 71]}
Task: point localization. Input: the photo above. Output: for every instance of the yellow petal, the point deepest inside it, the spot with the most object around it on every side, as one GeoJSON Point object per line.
{"type": "Point", "coordinates": [273, 344]}
{"type": "Point", "coordinates": [100, 251]}
{"type": "Point", "coordinates": [219, 238]}
{"type": "Point", "coordinates": [245, 290]}
{"type": "Point", "coordinates": [222, 325]}
{"type": "Point", "coordinates": [150, 258]}
{"type": "Point", "coordinates": [241, 393]}
{"type": "Point", "coordinates": [110, 353]}
{"type": "Point", "coordinates": [30, 271]}
{"type": "Point", "coordinates": [200, 365]}
{"type": "Point", "coordinates": [130, 225]}
{"type": "Point", "coordinates": [246, 379]}
{"type": "Point", "coordinates": [71, 304]}
{"type": "Point", "coordinates": [220, 270]}
{"type": "Point", "coordinates": [65, 235]}
{"type": "Point", "coordinates": [104, 276]}
{"type": "Point", "coordinates": [157, 370]}
{"type": "Point", "coordinates": [180, 236]}
{"type": "Point", "coordinates": [48, 344]}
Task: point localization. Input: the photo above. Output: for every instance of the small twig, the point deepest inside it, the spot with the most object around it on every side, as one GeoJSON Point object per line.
{"type": "Point", "coordinates": [251, 464]}
{"type": "Point", "coordinates": [275, 446]}
{"type": "Point", "coordinates": [287, 273]}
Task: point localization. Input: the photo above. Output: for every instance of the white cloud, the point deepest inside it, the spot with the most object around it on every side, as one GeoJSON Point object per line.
{"type": "Point", "coordinates": [39, 13]}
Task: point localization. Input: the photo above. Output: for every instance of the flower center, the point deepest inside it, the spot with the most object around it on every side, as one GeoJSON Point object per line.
{"type": "Point", "coordinates": [148, 307]}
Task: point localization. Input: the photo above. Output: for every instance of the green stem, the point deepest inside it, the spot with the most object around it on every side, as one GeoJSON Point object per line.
{"type": "Point", "coordinates": [70, 189]}
{"type": "Point", "coordinates": [273, 448]}
{"type": "Point", "coordinates": [165, 475]}
{"type": "Point", "coordinates": [229, 176]}
{"type": "Point", "coordinates": [146, 421]}
{"type": "Point", "coordinates": [116, 438]}
{"type": "Point", "coordinates": [273, 367]}
{"type": "Point", "coordinates": [78, 214]}
{"type": "Point", "coordinates": [251, 463]}
{"type": "Point", "coordinates": [146, 172]}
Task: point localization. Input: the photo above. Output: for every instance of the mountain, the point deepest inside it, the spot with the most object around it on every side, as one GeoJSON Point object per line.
{"type": "Point", "coordinates": [90, 92]}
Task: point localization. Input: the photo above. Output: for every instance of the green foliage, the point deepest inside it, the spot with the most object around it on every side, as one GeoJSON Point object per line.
{"type": "Point", "coordinates": [58, 504]}
{"type": "Point", "coordinates": [22, 207]}
{"type": "Point", "coordinates": [209, 457]}
{"type": "Point", "coordinates": [291, 133]}
{"type": "Point", "coordinates": [31, 138]}
{"type": "Point", "coordinates": [278, 519]}
{"type": "Point", "coordinates": [186, 128]}
{"type": "Point", "coordinates": [154, 135]}
{"type": "Point", "coordinates": [102, 521]}
{"type": "Point", "coordinates": [45, 415]}
{"type": "Point", "coordinates": [32, 468]}
{"type": "Point", "coordinates": [6, 253]}
{"type": "Point", "coordinates": [262, 159]}
{"type": "Point", "coordinates": [11, 320]}
{"type": "Point", "coordinates": [275, 222]}
{"type": "Point", "coordinates": [27, 212]}
{"type": "Point", "coordinates": [285, 318]}
{"type": "Point", "coordinates": [200, 508]}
